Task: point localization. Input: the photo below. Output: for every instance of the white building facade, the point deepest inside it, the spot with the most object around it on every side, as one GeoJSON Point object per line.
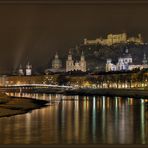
{"type": "Point", "coordinates": [21, 71]}
{"type": "Point", "coordinates": [125, 63]}
{"type": "Point", "coordinates": [27, 71]}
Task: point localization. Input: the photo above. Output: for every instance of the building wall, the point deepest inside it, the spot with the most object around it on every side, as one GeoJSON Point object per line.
{"type": "Point", "coordinates": [114, 38]}
{"type": "Point", "coordinates": [74, 66]}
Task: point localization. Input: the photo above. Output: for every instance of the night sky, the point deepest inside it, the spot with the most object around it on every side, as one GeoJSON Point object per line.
{"type": "Point", "coordinates": [37, 31]}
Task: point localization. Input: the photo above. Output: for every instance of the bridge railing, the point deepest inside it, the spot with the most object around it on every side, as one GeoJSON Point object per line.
{"type": "Point", "coordinates": [38, 85]}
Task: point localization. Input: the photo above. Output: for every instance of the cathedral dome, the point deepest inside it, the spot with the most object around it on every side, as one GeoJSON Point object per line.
{"type": "Point", "coordinates": [56, 62]}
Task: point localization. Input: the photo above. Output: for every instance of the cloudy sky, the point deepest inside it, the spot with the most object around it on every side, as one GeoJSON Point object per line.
{"type": "Point", "coordinates": [36, 31]}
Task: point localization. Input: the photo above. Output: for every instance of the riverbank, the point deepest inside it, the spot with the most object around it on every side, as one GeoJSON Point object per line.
{"type": "Point", "coordinates": [132, 92]}
{"type": "Point", "coordinates": [136, 93]}
{"type": "Point", "coordinates": [126, 92]}
{"type": "Point", "coordinates": [10, 106]}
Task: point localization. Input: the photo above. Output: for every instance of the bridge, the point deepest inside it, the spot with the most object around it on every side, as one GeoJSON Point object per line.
{"type": "Point", "coordinates": [34, 88]}
{"type": "Point", "coordinates": [37, 85]}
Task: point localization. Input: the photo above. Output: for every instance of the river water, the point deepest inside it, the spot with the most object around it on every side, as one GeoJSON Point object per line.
{"type": "Point", "coordinates": [79, 120]}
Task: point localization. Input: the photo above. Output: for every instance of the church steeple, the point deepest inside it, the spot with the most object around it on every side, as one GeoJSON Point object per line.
{"type": "Point", "coordinates": [69, 55]}
{"type": "Point", "coordinates": [144, 59]}
{"type": "Point", "coordinates": [28, 69]}
{"type": "Point", "coordinates": [82, 56]}
{"type": "Point", "coordinates": [69, 62]}
{"type": "Point", "coordinates": [71, 65]}
{"type": "Point", "coordinates": [126, 50]}
{"type": "Point", "coordinates": [82, 63]}
{"type": "Point", "coordinates": [20, 66]}
{"type": "Point", "coordinates": [56, 56]}
{"type": "Point", "coordinates": [20, 71]}
{"type": "Point", "coordinates": [56, 62]}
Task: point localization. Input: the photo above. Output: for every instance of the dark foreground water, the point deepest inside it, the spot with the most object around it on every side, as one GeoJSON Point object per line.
{"type": "Point", "coordinates": [79, 120]}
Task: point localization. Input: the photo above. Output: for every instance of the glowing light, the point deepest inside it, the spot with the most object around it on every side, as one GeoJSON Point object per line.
{"type": "Point", "coordinates": [116, 102]}
{"type": "Point", "coordinates": [142, 121]}
{"type": "Point", "coordinates": [94, 119]}
{"type": "Point", "coordinates": [103, 99]}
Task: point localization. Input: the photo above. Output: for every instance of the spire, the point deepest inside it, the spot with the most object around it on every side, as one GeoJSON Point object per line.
{"type": "Point", "coordinates": [126, 50]}
{"type": "Point", "coordinates": [28, 69]}
{"type": "Point", "coordinates": [82, 56]}
{"type": "Point", "coordinates": [56, 62]}
{"type": "Point", "coordinates": [82, 53]}
{"type": "Point", "coordinates": [144, 59]}
{"type": "Point", "coordinates": [20, 66]}
{"type": "Point", "coordinates": [56, 56]}
{"type": "Point", "coordinates": [20, 71]}
{"type": "Point", "coordinates": [144, 56]}
{"type": "Point", "coordinates": [28, 66]}
{"type": "Point", "coordinates": [69, 51]}
{"type": "Point", "coordinates": [69, 55]}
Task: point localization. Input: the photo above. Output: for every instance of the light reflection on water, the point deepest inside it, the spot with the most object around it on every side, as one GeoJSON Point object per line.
{"type": "Point", "coordinates": [79, 119]}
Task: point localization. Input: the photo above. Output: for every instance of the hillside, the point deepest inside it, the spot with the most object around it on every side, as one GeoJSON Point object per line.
{"type": "Point", "coordinates": [96, 55]}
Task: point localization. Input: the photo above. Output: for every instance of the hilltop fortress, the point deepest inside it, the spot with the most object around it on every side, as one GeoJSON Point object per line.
{"type": "Point", "coordinates": [113, 39]}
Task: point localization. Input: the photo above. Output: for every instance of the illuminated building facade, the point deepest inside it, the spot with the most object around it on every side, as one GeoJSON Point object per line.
{"type": "Point", "coordinates": [28, 69]}
{"type": "Point", "coordinates": [56, 65]}
{"type": "Point", "coordinates": [21, 71]}
{"type": "Point", "coordinates": [125, 63]}
{"type": "Point", "coordinates": [113, 39]}
{"type": "Point", "coordinates": [75, 66]}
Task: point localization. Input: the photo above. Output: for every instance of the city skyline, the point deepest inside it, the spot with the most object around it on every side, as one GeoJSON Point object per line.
{"type": "Point", "coordinates": [34, 32]}
{"type": "Point", "coordinates": [73, 72]}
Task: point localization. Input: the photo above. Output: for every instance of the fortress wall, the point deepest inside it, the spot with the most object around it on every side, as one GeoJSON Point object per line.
{"type": "Point", "coordinates": [114, 38]}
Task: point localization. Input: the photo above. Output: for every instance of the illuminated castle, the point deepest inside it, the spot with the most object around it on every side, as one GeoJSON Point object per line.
{"type": "Point", "coordinates": [114, 38]}
{"type": "Point", "coordinates": [75, 66]}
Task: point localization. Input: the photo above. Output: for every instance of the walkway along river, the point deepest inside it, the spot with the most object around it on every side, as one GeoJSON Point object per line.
{"type": "Point", "coordinates": [123, 92]}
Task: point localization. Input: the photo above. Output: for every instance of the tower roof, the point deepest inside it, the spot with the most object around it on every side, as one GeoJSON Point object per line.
{"type": "Point", "coordinates": [82, 53]}
{"type": "Point", "coordinates": [28, 65]}
{"type": "Point", "coordinates": [82, 56]}
{"type": "Point", "coordinates": [126, 54]}
{"type": "Point", "coordinates": [144, 59]}
{"type": "Point", "coordinates": [20, 67]}
{"type": "Point", "coordinates": [126, 50]}
{"type": "Point", "coordinates": [56, 56]}
{"type": "Point", "coordinates": [70, 51]}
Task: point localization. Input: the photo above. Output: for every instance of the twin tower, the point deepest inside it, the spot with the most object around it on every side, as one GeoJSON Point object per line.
{"type": "Point", "coordinates": [75, 66]}
{"type": "Point", "coordinates": [71, 65]}
{"type": "Point", "coordinates": [28, 70]}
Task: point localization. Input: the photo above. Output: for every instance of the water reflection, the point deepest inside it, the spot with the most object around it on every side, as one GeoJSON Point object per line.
{"type": "Point", "coordinates": [78, 119]}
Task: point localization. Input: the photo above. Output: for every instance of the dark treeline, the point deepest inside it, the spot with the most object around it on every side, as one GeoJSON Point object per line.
{"type": "Point", "coordinates": [118, 79]}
